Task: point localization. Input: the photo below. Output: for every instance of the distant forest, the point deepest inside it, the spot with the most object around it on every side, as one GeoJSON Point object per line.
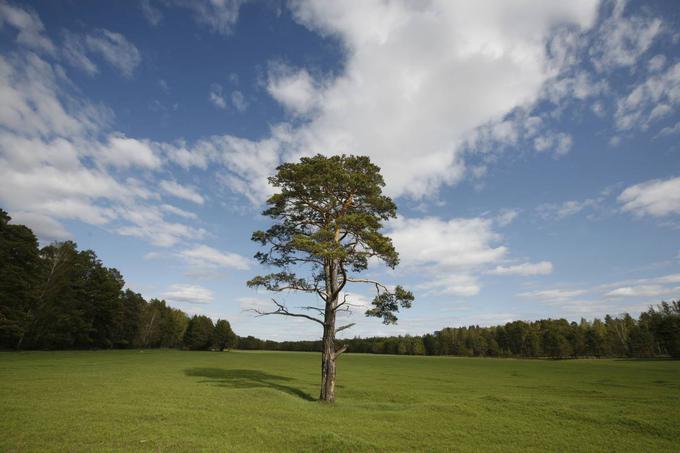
{"type": "Point", "coordinates": [57, 297]}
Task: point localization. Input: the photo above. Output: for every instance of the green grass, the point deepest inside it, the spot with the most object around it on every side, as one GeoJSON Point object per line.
{"type": "Point", "coordinates": [264, 401]}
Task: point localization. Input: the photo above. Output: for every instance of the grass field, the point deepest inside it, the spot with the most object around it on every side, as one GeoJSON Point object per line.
{"type": "Point", "coordinates": [264, 401]}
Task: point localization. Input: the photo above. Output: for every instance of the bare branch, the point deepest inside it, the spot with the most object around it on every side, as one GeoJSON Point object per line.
{"type": "Point", "coordinates": [283, 311]}
{"type": "Point", "coordinates": [320, 310]}
{"type": "Point", "coordinates": [346, 326]}
{"type": "Point", "coordinates": [340, 351]}
{"type": "Point", "coordinates": [344, 302]}
{"type": "Point", "coordinates": [377, 284]}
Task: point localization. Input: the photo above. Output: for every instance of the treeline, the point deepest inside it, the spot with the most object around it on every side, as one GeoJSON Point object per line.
{"type": "Point", "coordinates": [58, 297]}
{"type": "Point", "coordinates": [655, 334]}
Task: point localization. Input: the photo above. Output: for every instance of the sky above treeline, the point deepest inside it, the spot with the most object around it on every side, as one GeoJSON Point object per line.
{"type": "Point", "coordinates": [531, 147]}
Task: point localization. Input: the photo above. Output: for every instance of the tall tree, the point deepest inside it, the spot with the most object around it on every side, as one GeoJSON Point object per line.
{"type": "Point", "coordinates": [327, 216]}
{"type": "Point", "coordinates": [19, 273]}
{"type": "Point", "coordinates": [199, 333]}
{"type": "Point", "coordinates": [223, 336]}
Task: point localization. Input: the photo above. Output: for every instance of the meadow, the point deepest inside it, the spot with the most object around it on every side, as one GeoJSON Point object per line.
{"type": "Point", "coordinates": [175, 401]}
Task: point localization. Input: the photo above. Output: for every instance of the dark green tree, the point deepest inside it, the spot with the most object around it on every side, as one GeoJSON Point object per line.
{"type": "Point", "coordinates": [664, 322]}
{"type": "Point", "coordinates": [199, 333]}
{"type": "Point", "coordinates": [19, 274]}
{"type": "Point", "coordinates": [327, 215]}
{"type": "Point", "coordinates": [223, 336]}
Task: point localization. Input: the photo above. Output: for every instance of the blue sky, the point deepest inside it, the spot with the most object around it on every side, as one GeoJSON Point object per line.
{"type": "Point", "coordinates": [531, 147]}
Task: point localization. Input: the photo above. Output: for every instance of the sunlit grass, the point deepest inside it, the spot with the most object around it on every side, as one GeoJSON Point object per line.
{"type": "Point", "coordinates": [265, 401]}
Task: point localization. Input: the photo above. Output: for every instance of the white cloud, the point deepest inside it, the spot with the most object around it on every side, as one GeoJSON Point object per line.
{"type": "Point", "coordinates": [254, 303]}
{"type": "Point", "coordinates": [75, 51]}
{"type": "Point", "coordinates": [219, 16]}
{"type": "Point", "coordinates": [453, 244]}
{"type": "Point", "coordinates": [656, 198]}
{"type": "Point", "coordinates": [416, 80]}
{"type": "Point", "coordinates": [566, 209]}
{"type": "Point", "coordinates": [559, 143]}
{"type": "Point", "coordinates": [192, 294]}
{"type": "Point", "coordinates": [652, 99]}
{"type": "Point", "coordinates": [670, 130]}
{"type": "Point", "coordinates": [215, 96]}
{"type": "Point", "coordinates": [296, 91]}
{"type": "Point", "coordinates": [642, 291]}
{"type": "Point", "coordinates": [656, 63]}
{"type": "Point", "coordinates": [44, 227]}
{"type": "Point", "coordinates": [29, 26]}
{"type": "Point", "coordinates": [506, 216]}
{"type": "Point", "coordinates": [152, 14]}
{"type": "Point", "coordinates": [450, 253]}
{"type": "Point", "coordinates": [623, 40]}
{"type": "Point", "coordinates": [178, 212]}
{"type": "Point", "coordinates": [203, 256]}
{"type": "Point", "coordinates": [113, 47]}
{"type": "Point", "coordinates": [239, 101]}
{"type": "Point", "coordinates": [540, 268]}
{"type": "Point", "coordinates": [47, 144]}
{"type": "Point", "coordinates": [553, 294]}
{"type": "Point", "coordinates": [147, 222]}
{"type": "Point", "coordinates": [250, 162]}
{"type": "Point", "coordinates": [451, 285]}
{"type": "Point", "coordinates": [123, 152]}
{"type": "Point", "coordinates": [33, 102]}
{"type": "Point", "coordinates": [184, 192]}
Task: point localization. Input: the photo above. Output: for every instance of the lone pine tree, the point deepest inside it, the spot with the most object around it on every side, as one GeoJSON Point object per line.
{"type": "Point", "coordinates": [327, 216]}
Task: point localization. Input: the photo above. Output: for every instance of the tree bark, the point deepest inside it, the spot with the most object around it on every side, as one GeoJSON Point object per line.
{"type": "Point", "coordinates": [328, 341]}
{"type": "Point", "coordinates": [328, 365]}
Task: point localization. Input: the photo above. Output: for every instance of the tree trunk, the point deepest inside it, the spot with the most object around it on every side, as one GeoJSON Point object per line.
{"type": "Point", "coordinates": [328, 340]}
{"type": "Point", "coordinates": [328, 365]}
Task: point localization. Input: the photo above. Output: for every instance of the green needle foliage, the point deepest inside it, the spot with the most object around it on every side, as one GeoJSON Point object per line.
{"type": "Point", "coordinates": [327, 216]}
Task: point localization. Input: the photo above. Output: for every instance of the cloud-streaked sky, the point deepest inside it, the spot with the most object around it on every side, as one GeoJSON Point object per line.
{"type": "Point", "coordinates": [531, 146]}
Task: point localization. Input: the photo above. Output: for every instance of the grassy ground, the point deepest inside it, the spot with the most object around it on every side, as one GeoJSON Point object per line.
{"type": "Point", "coordinates": [264, 401]}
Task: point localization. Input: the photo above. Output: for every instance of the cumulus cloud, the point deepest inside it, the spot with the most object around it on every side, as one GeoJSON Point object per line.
{"type": "Point", "coordinates": [58, 160]}
{"type": "Point", "coordinates": [123, 152]}
{"type": "Point", "coordinates": [44, 227]}
{"type": "Point", "coordinates": [295, 90]}
{"type": "Point", "coordinates": [427, 74]}
{"type": "Point", "coordinates": [451, 253]}
{"type": "Point", "coordinates": [454, 244]}
{"type": "Point", "coordinates": [192, 294]}
{"type": "Point", "coordinates": [657, 198]}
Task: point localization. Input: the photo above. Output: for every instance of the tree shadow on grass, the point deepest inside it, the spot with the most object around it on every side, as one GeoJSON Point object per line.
{"type": "Point", "coordinates": [247, 379]}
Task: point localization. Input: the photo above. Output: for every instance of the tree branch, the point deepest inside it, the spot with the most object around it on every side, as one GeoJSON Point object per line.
{"type": "Point", "coordinates": [377, 284]}
{"type": "Point", "coordinates": [346, 326]}
{"type": "Point", "coordinates": [340, 351]}
{"type": "Point", "coordinates": [283, 311]}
